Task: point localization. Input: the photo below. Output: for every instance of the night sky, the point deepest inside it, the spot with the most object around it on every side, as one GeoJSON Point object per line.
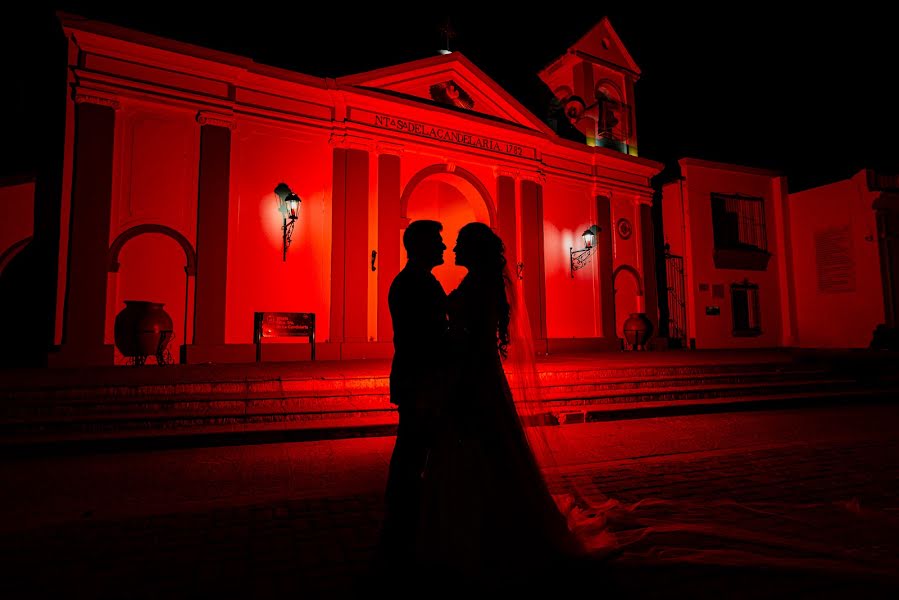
{"type": "Point", "coordinates": [804, 94]}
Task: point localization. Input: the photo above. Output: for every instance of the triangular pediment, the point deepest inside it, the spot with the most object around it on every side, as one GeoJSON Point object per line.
{"type": "Point", "coordinates": [603, 44]}
{"type": "Point", "coordinates": [449, 80]}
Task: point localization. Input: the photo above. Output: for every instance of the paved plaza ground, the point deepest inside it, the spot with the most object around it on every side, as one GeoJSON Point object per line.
{"type": "Point", "coordinates": [299, 520]}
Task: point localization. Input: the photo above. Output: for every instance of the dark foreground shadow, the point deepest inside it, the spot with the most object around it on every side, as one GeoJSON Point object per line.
{"type": "Point", "coordinates": [622, 580]}
{"type": "Point", "coordinates": [735, 583]}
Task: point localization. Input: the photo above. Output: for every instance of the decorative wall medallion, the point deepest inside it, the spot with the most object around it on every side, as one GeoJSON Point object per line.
{"type": "Point", "coordinates": [623, 226]}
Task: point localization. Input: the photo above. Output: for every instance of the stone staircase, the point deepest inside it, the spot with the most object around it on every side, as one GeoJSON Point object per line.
{"type": "Point", "coordinates": [315, 402]}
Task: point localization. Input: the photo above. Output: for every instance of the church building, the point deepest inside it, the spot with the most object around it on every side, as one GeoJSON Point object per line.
{"type": "Point", "coordinates": [220, 188]}
{"type": "Point", "coordinates": [174, 153]}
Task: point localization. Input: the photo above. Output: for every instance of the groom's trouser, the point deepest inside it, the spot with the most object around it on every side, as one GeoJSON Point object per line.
{"type": "Point", "coordinates": [404, 483]}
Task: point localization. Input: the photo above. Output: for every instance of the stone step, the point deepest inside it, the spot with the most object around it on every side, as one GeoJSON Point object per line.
{"type": "Point", "coordinates": [178, 380]}
{"type": "Point", "coordinates": [625, 410]}
{"type": "Point", "coordinates": [194, 400]}
{"type": "Point", "coordinates": [186, 432]}
{"type": "Point", "coordinates": [197, 412]}
{"type": "Point", "coordinates": [327, 387]}
{"type": "Point", "coordinates": [660, 381]}
{"type": "Point", "coordinates": [678, 390]}
{"type": "Point", "coordinates": [242, 404]}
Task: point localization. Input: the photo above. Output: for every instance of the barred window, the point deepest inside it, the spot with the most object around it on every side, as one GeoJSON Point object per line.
{"type": "Point", "coordinates": [739, 222]}
{"type": "Point", "coordinates": [746, 309]}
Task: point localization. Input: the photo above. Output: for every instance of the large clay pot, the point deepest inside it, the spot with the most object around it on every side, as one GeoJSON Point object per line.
{"type": "Point", "coordinates": [143, 329]}
{"type": "Point", "coordinates": [637, 330]}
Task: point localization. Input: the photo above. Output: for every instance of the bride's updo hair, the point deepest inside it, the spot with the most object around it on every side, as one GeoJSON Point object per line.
{"type": "Point", "coordinates": [488, 260]}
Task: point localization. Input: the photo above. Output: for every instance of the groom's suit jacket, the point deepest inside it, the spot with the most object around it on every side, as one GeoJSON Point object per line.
{"type": "Point", "coordinates": [418, 310]}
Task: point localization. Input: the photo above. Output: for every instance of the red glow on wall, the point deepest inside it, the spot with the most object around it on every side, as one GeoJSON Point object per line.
{"type": "Point", "coordinates": [834, 235]}
{"type": "Point", "coordinates": [573, 304]}
{"type": "Point", "coordinates": [258, 278]}
{"type": "Point", "coordinates": [445, 198]}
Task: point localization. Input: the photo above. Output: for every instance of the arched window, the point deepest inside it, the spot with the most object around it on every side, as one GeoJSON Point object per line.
{"type": "Point", "coordinates": [611, 116]}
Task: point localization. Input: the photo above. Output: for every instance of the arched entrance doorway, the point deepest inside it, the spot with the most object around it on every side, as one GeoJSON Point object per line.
{"type": "Point", "coordinates": [628, 295]}
{"type": "Point", "coordinates": [454, 197]}
{"type": "Point", "coordinates": [145, 263]}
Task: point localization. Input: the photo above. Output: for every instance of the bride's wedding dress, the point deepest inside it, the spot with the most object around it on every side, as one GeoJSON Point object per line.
{"type": "Point", "coordinates": [487, 508]}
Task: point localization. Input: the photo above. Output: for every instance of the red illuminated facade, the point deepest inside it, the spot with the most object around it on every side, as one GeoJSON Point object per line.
{"type": "Point", "coordinates": [173, 153]}
{"type": "Point", "coordinates": [751, 266]}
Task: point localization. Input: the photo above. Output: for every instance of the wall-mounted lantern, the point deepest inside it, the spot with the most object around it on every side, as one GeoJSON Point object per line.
{"type": "Point", "coordinates": [289, 207]}
{"type": "Point", "coordinates": [580, 258]}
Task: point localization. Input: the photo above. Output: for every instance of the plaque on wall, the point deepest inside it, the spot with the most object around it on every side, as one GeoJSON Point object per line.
{"type": "Point", "coordinates": [283, 324]}
{"type": "Point", "coordinates": [624, 229]}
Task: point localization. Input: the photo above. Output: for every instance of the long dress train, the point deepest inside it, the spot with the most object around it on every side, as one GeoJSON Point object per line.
{"type": "Point", "coordinates": [488, 511]}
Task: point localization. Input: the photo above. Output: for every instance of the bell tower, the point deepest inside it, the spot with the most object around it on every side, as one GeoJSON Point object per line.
{"type": "Point", "coordinates": [593, 85]}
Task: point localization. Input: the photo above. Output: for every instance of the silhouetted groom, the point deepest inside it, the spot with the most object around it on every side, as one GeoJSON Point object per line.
{"type": "Point", "coordinates": [418, 310]}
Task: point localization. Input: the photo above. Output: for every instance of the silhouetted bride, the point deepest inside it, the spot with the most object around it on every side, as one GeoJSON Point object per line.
{"type": "Point", "coordinates": [487, 509]}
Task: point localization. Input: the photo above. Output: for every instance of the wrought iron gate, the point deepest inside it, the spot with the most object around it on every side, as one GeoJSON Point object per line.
{"type": "Point", "coordinates": [677, 300]}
